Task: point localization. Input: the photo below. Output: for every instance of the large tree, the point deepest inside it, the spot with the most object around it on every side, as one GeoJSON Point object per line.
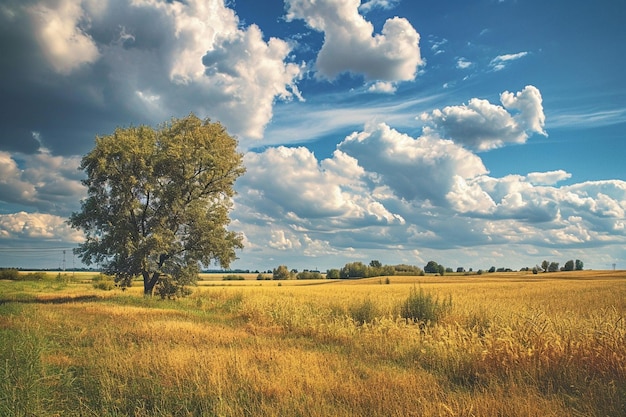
{"type": "Point", "coordinates": [158, 201]}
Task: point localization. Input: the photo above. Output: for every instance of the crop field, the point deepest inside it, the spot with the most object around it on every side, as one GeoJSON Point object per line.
{"type": "Point", "coordinates": [510, 344]}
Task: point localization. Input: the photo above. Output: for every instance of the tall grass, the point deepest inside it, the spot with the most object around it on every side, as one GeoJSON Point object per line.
{"type": "Point", "coordinates": [516, 347]}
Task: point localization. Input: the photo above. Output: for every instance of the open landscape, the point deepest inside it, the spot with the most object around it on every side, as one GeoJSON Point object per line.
{"type": "Point", "coordinates": [501, 344]}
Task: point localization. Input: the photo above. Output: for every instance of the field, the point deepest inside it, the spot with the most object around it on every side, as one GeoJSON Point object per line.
{"type": "Point", "coordinates": [512, 344]}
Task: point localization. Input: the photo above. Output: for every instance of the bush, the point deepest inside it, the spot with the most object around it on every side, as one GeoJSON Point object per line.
{"type": "Point", "coordinates": [363, 312]}
{"type": "Point", "coordinates": [104, 285]}
{"type": "Point", "coordinates": [33, 276]}
{"type": "Point", "coordinates": [12, 274]}
{"type": "Point", "coordinates": [169, 288]}
{"type": "Point", "coordinates": [233, 278]}
{"type": "Point", "coordinates": [424, 308]}
{"type": "Point", "coordinates": [103, 282]}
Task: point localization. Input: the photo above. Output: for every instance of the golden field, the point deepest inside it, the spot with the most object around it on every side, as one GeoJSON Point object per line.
{"type": "Point", "coordinates": [512, 344]}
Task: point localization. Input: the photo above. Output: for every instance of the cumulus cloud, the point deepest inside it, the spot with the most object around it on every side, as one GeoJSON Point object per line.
{"type": "Point", "coordinates": [501, 61]}
{"type": "Point", "coordinates": [382, 87]}
{"type": "Point", "coordinates": [350, 44]}
{"type": "Point", "coordinates": [482, 126]}
{"type": "Point", "coordinates": [38, 226]}
{"type": "Point", "coordinates": [61, 31]}
{"type": "Point", "coordinates": [41, 181]}
{"type": "Point", "coordinates": [118, 62]}
{"type": "Point", "coordinates": [290, 183]}
{"type": "Point", "coordinates": [548, 178]}
{"type": "Point", "coordinates": [422, 168]}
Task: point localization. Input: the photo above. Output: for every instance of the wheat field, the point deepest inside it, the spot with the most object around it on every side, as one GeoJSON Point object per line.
{"type": "Point", "coordinates": [512, 344]}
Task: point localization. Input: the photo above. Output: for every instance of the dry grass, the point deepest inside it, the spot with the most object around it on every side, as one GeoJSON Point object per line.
{"type": "Point", "coordinates": [511, 345]}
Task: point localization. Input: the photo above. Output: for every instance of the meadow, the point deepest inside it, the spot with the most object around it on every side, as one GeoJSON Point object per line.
{"type": "Point", "coordinates": [511, 344]}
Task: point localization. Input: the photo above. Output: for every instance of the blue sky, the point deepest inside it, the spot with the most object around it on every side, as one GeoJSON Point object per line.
{"type": "Point", "coordinates": [472, 133]}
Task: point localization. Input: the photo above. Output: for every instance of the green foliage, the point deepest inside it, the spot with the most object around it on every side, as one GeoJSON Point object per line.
{"type": "Point", "coordinates": [104, 285]}
{"type": "Point", "coordinates": [309, 275]}
{"type": "Point", "coordinates": [169, 288]}
{"type": "Point", "coordinates": [374, 269]}
{"type": "Point", "coordinates": [569, 265]}
{"type": "Point", "coordinates": [333, 274]}
{"type": "Point", "coordinates": [424, 308]}
{"type": "Point", "coordinates": [233, 278]}
{"type": "Point", "coordinates": [403, 269]}
{"type": "Point", "coordinates": [158, 201]}
{"type": "Point", "coordinates": [554, 267]}
{"type": "Point", "coordinates": [431, 267]}
{"type": "Point", "coordinates": [10, 274]}
{"type": "Point", "coordinates": [579, 265]}
{"type": "Point", "coordinates": [281, 273]}
{"type": "Point", "coordinates": [363, 312]}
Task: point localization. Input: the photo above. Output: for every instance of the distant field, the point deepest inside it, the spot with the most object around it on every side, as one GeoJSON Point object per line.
{"type": "Point", "coordinates": [508, 344]}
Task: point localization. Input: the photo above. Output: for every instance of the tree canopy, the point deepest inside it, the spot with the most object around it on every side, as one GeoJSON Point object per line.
{"type": "Point", "coordinates": [158, 201]}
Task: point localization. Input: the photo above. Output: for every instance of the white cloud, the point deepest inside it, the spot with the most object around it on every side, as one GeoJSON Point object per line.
{"type": "Point", "coordinates": [415, 169]}
{"type": "Point", "coordinates": [60, 29]}
{"type": "Point", "coordinates": [382, 87]}
{"type": "Point", "coordinates": [151, 59]}
{"type": "Point", "coordinates": [41, 181]}
{"type": "Point", "coordinates": [350, 44]}
{"type": "Point", "coordinates": [463, 63]}
{"type": "Point", "coordinates": [548, 178]}
{"type": "Point", "coordinates": [482, 126]}
{"type": "Point", "coordinates": [289, 183]}
{"type": "Point", "coordinates": [370, 5]}
{"type": "Point", "coordinates": [37, 226]}
{"type": "Point", "coordinates": [529, 104]}
{"type": "Point", "coordinates": [501, 61]}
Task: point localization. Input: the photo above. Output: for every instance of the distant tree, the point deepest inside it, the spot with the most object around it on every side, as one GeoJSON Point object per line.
{"type": "Point", "coordinates": [333, 274]}
{"type": "Point", "coordinates": [431, 267]}
{"type": "Point", "coordinates": [309, 275]}
{"type": "Point", "coordinates": [545, 265]}
{"type": "Point", "coordinates": [281, 273]}
{"type": "Point", "coordinates": [403, 269]}
{"type": "Point", "coordinates": [158, 201]}
{"type": "Point", "coordinates": [441, 270]}
{"type": "Point", "coordinates": [569, 265]}
{"type": "Point", "coordinates": [375, 264]}
{"type": "Point", "coordinates": [460, 269]}
{"type": "Point", "coordinates": [492, 269]}
{"type": "Point", "coordinates": [579, 265]}
{"type": "Point", "coordinates": [535, 270]}
{"type": "Point", "coordinates": [354, 270]}
{"type": "Point", "coordinates": [553, 267]}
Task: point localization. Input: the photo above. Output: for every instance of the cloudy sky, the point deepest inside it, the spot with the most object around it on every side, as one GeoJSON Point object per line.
{"type": "Point", "coordinates": [474, 133]}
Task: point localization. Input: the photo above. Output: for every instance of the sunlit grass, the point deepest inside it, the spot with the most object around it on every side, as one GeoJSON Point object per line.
{"type": "Point", "coordinates": [509, 345]}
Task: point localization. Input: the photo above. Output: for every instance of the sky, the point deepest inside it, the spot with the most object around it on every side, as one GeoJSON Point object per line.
{"type": "Point", "coordinates": [474, 133]}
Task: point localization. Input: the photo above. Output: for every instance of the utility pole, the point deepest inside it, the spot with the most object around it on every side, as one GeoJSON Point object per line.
{"type": "Point", "coordinates": [64, 261]}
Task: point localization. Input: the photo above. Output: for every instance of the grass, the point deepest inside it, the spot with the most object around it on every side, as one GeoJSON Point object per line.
{"type": "Point", "coordinates": [501, 344]}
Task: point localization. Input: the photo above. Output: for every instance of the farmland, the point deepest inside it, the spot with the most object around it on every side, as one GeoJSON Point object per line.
{"type": "Point", "coordinates": [513, 344]}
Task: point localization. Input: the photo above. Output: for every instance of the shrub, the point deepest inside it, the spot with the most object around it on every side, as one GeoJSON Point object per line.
{"type": "Point", "coordinates": [233, 278]}
{"type": "Point", "coordinates": [12, 274]}
{"type": "Point", "coordinates": [424, 307]}
{"type": "Point", "coordinates": [168, 287]}
{"type": "Point", "coordinates": [363, 312]}
{"type": "Point", "coordinates": [104, 285]}
{"type": "Point", "coordinates": [33, 276]}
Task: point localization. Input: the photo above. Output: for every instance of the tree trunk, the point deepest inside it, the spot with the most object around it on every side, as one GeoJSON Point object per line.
{"type": "Point", "coordinates": [149, 282]}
